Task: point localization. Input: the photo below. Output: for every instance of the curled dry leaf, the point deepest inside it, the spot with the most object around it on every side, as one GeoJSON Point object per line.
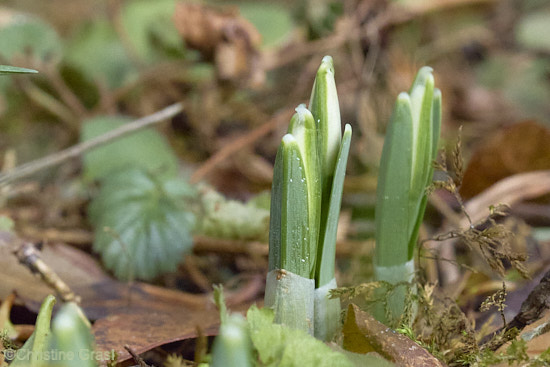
{"type": "Point", "coordinates": [222, 36]}
{"type": "Point", "coordinates": [522, 147]}
{"type": "Point", "coordinates": [363, 334]}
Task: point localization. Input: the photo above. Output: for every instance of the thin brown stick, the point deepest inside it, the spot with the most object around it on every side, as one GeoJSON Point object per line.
{"type": "Point", "coordinates": [395, 15]}
{"type": "Point", "coordinates": [54, 159]}
{"type": "Point", "coordinates": [509, 191]}
{"type": "Point", "coordinates": [237, 144]}
{"type": "Point", "coordinates": [204, 244]}
{"type": "Point", "coordinates": [27, 255]}
{"type": "Point", "coordinates": [140, 362]}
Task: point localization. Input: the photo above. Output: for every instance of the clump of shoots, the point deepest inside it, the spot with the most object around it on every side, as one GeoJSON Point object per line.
{"type": "Point", "coordinates": [305, 205]}
{"type": "Point", "coordinates": [405, 172]}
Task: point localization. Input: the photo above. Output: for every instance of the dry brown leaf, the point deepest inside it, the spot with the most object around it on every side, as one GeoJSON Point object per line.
{"type": "Point", "coordinates": [144, 329]}
{"type": "Point", "coordinates": [363, 334]}
{"type": "Point", "coordinates": [75, 267]}
{"type": "Point", "coordinates": [222, 36]}
{"type": "Point", "coordinates": [522, 147]}
{"type": "Point", "coordinates": [140, 315]}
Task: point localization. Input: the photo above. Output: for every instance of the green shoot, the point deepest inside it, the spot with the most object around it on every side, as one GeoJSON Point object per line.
{"type": "Point", "coordinates": [405, 172]}
{"type": "Point", "coordinates": [233, 346]}
{"type": "Point", "coordinates": [306, 196]}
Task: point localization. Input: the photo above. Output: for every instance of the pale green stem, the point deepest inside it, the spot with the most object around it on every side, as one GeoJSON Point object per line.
{"type": "Point", "coordinates": [327, 312]}
{"type": "Point", "coordinates": [291, 297]}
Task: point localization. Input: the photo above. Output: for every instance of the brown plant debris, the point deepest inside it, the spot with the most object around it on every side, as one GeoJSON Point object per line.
{"type": "Point", "coordinates": [492, 240]}
{"type": "Point", "coordinates": [222, 36]}
{"type": "Point", "coordinates": [27, 255]}
{"type": "Point", "coordinates": [363, 334]}
{"type": "Point", "coordinates": [531, 310]}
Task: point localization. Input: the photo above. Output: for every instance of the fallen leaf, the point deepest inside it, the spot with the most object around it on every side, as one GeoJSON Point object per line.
{"type": "Point", "coordinates": [143, 329]}
{"type": "Point", "coordinates": [522, 147]}
{"type": "Point", "coordinates": [75, 267]}
{"type": "Point", "coordinates": [363, 334]}
{"type": "Point", "coordinates": [140, 315]}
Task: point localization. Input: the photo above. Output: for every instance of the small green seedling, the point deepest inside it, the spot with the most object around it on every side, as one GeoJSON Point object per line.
{"type": "Point", "coordinates": [405, 173]}
{"type": "Point", "coordinates": [232, 346]}
{"type": "Point", "coordinates": [67, 342]}
{"type": "Point", "coordinates": [305, 205]}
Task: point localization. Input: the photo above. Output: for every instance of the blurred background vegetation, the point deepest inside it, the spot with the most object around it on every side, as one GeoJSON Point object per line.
{"type": "Point", "coordinates": [239, 69]}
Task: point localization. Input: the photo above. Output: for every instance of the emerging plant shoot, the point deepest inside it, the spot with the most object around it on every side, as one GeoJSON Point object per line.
{"type": "Point", "coordinates": [305, 205]}
{"type": "Point", "coordinates": [405, 172]}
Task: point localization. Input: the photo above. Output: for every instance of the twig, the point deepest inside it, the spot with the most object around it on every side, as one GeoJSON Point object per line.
{"type": "Point", "coordinates": [237, 144]}
{"type": "Point", "coordinates": [27, 255]}
{"type": "Point", "coordinates": [531, 310]}
{"type": "Point", "coordinates": [204, 244]}
{"type": "Point", "coordinates": [510, 191]}
{"type": "Point", "coordinates": [136, 357]}
{"type": "Point", "coordinates": [395, 15]}
{"type": "Point", "coordinates": [52, 160]}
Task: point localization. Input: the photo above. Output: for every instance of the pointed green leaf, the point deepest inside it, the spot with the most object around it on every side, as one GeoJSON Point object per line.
{"type": "Point", "coordinates": [289, 224]}
{"type": "Point", "coordinates": [436, 122]}
{"type": "Point", "coordinates": [422, 109]}
{"type": "Point", "coordinates": [294, 222]}
{"type": "Point", "coordinates": [302, 127]}
{"type": "Point", "coordinates": [326, 111]}
{"type": "Point", "coordinates": [327, 243]}
{"type": "Point", "coordinates": [436, 128]}
{"type": "Point", "coordinates": [392, 192]}
{"type": "Point", "coordinates": [5, 69]}
{"type": "Point", "coordinates": [32, 352]}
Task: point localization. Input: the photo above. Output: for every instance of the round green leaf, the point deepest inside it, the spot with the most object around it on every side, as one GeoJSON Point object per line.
{"type": "Point", "coordinates": [149, 228]}
{"type": "Point", "coordinates": [23, 33]}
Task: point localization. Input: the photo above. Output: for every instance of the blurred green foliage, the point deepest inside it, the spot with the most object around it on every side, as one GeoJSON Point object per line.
{"type": "Point", "coordinates": [145, 149]}
{"type": "Point", "coordinates": [97, 52]}
{"type": "Point", "coordinates": [24, 33]}
{"type": "Point", "coordinates": [232, 219]}
{"type": "Point", "coordinates": [272, 20]}
{"type": "Point", "coordinates": [150, 29]}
